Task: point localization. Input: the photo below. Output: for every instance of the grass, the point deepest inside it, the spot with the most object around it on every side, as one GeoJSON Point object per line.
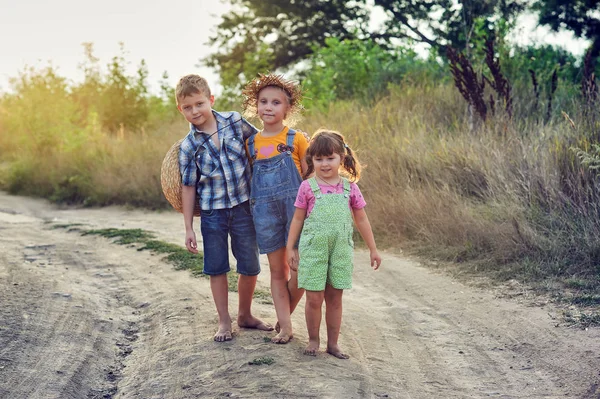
{"type": "Point", "coordinates": [507, 200]}
{"type": "Point", "coordinates": [177, 256]}
{"type": "Point", "coordinates": [262, 360]}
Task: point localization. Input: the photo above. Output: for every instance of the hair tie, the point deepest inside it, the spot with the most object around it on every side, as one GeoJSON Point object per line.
{"type": "Point", "coordinates": [346, 146]}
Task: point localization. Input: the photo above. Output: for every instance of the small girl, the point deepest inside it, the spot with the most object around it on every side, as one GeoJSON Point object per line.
{"type": "Point", "coordinates": [325, 207]}
{"type": "Point", "coordinates": [277, 156]}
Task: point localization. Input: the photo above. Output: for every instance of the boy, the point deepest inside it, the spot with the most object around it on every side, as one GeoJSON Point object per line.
{"type": "Point", "coordinates": [214, 166]}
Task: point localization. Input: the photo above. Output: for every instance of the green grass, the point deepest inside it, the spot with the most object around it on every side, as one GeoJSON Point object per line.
{"type": "Point", "coordinates": [177, 256]}
{"type": "Point", "coordinates": [262, 360]}
{"type": "Point", "coordinates": [123, 236]}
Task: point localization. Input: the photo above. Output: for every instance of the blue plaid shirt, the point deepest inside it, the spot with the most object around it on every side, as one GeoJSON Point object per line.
{"type": "Point", "coordinates": [222, 178]}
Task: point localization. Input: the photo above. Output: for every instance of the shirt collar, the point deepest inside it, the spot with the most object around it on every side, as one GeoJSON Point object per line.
{"type": "Point", "coordinates": [221, 120]}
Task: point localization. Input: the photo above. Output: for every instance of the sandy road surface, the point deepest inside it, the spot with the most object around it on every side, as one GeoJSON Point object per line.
{"type": "Point", "coordinates": [81, 317]}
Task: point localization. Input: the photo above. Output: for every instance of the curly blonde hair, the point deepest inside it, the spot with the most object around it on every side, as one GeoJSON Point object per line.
{"type": "Point", "coordinates": [292, 90]}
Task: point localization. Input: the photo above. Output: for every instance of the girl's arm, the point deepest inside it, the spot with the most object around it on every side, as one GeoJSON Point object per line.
{"type": "Point", "coordinates": [295, 229]}
{"type": "Point", "coordinates": [364, 228]}
{"type": "Point", "coordinates": [303, 166]}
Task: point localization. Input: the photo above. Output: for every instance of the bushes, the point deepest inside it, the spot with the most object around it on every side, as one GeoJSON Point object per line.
{"type": "Point", "coordinates": [362, 70]}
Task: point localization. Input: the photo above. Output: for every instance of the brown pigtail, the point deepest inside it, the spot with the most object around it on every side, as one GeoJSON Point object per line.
{"type": "Point", "coordinates": [351, 164]}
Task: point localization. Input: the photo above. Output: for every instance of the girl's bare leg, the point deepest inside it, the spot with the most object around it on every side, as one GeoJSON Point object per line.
{"type": "Point", "coordinates": [333, 318]}
{"type": "Point", "coordinates": [314, 303]}
{"type": "Point", "coordinates": [281, 295]}
{"type": "Point", "coordinates": [295, 292]}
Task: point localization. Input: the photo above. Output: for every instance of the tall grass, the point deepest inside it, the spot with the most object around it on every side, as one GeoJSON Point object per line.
{"type": "Point", "coordinates": [510, 197]}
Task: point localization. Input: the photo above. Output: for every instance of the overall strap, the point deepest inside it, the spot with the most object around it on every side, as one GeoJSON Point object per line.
{"type": "Point", "coordinates": [290, 137]}
{"type": "Point", "coordinates": [314, 186]}
{"type": "Point", "coordinates": [346, 185]}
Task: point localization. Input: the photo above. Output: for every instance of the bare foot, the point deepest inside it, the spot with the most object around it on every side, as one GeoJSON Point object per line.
{"type": "Point", "coordinates": [277, 327]}
{"type": "Point", "coordinates": [282, 338]}
{"type": "Point", "coordinates": [224, 332]}
{"type": "Point", "coordinates": [337, 352]}
{"type": "Point", "coordinates": [253, 322]}
{"type": "Point", "coordinates": [312, 348]}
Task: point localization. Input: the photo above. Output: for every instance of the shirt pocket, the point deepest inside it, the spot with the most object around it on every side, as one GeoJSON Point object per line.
{"type": "Point", "coordinates": [205, 163]}
{"type": "Point", "coordinates": [234, 148]}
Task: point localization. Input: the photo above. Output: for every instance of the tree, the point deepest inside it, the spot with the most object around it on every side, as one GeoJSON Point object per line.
{"type": "Point", "coordinates": [440, 23]}
{"type": "Point", "coordinates": [579, 16]}
{"type": "Point", "coordinates": [277, 33]}
{"type": "Point", "coordinates": [283, 32]}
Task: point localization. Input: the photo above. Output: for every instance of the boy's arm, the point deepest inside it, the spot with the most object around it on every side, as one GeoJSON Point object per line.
{"type": "Point", "coordinates": [188, 199]}
{"type": "Point", "coordinates": [189, 174]}
{"type": "Point", "coordinates": [248, 128]}
{"type": "Point", "coordinates": [364, 228]}
{"type": "Point", "coordinates": [295, 229]}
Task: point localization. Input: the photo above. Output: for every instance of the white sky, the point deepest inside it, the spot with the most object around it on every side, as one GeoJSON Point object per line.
{"type": "Point", "coordinates": [170, 35]}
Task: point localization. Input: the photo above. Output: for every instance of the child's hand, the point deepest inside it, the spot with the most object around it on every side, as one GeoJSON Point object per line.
{"type": "Point", "coordinates": [375, 260]}
{"type": "Point", "coordinates": [293, 258]}
{"type": "Point", "coordinates": [190, 242]}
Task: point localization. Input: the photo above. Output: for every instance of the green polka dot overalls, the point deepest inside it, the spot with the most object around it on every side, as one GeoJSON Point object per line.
{"type": "Point", "coordinates": [326, 245]}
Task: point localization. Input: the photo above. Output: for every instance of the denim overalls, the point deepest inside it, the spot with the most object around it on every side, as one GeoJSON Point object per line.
{"type": "Point", "coordinates": [326, 245]}
{"type": "Point", "coordinates": [273, 191]}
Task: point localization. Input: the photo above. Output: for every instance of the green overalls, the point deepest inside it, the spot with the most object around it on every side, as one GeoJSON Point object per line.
{"type": "Point", "coordinates": [326, 245]}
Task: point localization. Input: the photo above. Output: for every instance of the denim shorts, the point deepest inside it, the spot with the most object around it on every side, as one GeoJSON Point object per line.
{"type": "Point", "coordinates": [272, 218]}
{"type": "Point", "coordinates": [216, 226]}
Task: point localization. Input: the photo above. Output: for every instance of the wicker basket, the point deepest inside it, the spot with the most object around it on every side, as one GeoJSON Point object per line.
{"type": "Point", "coordinates": [170, 179]}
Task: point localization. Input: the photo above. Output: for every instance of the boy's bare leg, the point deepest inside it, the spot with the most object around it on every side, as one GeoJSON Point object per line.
{"type": "Point", "coordinates": [281, 295]}
{"type": "Point", "coordinates": [333, 318]}
{"type": "Point", "coordinates": [314, 303]}
{"type": "Point", "coordinates": [246, 285]}
{"type": "Point", "coordinates": [218, 286]}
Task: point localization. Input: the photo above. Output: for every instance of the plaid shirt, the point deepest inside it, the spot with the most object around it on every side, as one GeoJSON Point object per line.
{"type": "Point", "coordinates": [222, 178]}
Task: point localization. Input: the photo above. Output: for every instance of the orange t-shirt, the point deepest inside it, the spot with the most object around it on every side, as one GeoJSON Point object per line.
{"type": "Point", "coordinates": [267, 147]}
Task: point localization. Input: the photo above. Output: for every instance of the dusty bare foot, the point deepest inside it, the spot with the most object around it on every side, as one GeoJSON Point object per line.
{"type": "Point", "coordinates": [312, 348]}
{"type": "Point", "coordinates": [224, 332]}
{"type": "Point", "coordinates": [337, 352]}
{"type": "Point", "coordinates": [282, 338]}
{"type": "Point", "coordinates": [253, 322]}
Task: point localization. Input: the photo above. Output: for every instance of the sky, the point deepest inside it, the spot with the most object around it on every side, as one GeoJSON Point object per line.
{"type": "Point", "coordinates": [170, 35]}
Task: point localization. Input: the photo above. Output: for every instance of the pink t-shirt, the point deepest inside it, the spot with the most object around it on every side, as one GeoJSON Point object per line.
{"type": "Point", "coordinates": [306, 197]}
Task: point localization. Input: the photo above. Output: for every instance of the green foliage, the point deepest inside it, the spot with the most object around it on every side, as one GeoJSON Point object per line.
{"type": "Point", "coordinates": [343, 70]}
{"type": "Point", "coordinates": [285, 33]}
{"type": "Point", "coordinates": [236, 73]}
{"type": "Point", "coordinates": [53, 131]}
{"type": "Point", "coordinates": [578, 16]}
{"type": "Point", "coordinates": [280, 31]}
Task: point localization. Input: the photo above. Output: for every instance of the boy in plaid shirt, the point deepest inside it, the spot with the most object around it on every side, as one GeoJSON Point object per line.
{"type": "Point", "coordinates": [215, 170]}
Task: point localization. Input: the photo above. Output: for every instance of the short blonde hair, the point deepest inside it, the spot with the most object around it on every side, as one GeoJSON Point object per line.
{"type": "Point", "coordinates": [191, 84]}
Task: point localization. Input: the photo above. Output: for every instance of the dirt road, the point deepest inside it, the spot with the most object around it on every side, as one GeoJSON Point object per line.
{"type": "Point", "coordinates": [81, 317]}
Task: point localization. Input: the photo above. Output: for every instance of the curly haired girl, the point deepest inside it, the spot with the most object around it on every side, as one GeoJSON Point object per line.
{"type": "Point", "coordinates": [277, 156]}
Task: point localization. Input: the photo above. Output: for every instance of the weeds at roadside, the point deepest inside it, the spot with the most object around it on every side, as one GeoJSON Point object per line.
{"type": "Point", "coordinates": [179, 257]}
{"type": "Point", "coordinates": [262, 360]}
